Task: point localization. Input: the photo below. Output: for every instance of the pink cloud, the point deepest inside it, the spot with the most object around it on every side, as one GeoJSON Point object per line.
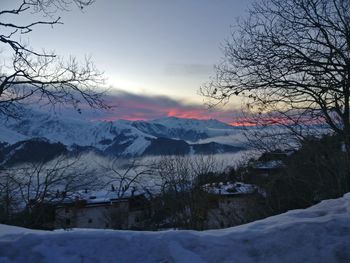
{"type": "Point", "coordinates": [139, 107]}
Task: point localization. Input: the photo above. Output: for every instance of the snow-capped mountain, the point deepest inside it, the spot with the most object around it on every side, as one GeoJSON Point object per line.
{"type": "Point", "coordinates": [120, 138]}
{"type": "Point", "coordinates": [75, 132]}
{"type": "Point", "coordinates": [192, 124]}
{"type": "Point", "coordinates": [190, 130]}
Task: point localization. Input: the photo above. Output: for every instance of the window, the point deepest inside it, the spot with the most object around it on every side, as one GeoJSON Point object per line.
{"type": "Point", "coordinates": [90, 221]}
{"type": "Point", "coordinates": [67, 221]}
{"type": "Point", "coordinates": [66, 210]}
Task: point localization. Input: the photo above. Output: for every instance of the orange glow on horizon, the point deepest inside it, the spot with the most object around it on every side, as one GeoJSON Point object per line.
{"type": "Point", "coordinates": [194, 114]}
{"type": "Point", "coordinates": [242, 124]}
{"type": "Point", "coordinates": [141, 113]}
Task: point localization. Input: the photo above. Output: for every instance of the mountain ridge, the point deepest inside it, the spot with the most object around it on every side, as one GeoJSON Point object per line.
{"type": "Point", "coordinates": [123, 138]}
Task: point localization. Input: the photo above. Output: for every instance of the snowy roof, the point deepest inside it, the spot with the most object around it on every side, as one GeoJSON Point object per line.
{"type": "Point", "coordinates": [230, 188]}
{"type": "Point", "coordinates": [268, 165]}
{"type": "Point", "coordinates": [98, 196]}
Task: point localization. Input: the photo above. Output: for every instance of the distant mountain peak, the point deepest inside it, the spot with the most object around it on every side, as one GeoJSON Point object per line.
{"type": "Point", "coordinates": [191, 123]}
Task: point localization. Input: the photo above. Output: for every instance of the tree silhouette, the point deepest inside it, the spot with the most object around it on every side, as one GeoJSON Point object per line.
{"type": "Point", "coordinates": [290, 61]}
{"type": "Point", "coordinates": [31, 75]}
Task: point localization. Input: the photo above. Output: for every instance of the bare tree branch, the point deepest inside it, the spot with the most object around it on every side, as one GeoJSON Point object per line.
{"type": "Point", "coordinates": [32, 75]}
{"type": "Point", "coordinates": [290, 59]}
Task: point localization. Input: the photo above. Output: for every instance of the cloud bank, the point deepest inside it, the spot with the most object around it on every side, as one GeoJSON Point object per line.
{"type": "Point", "coordinates": [129, 106]}
{"type": "Point", "coordinates": [141, 107]}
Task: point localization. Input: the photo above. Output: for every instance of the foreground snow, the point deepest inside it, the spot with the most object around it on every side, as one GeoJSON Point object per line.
{"type": "Point", "coordinates": [317, 234]}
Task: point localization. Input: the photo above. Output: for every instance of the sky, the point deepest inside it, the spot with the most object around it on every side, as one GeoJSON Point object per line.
{"type": "Point", "coordinates": [156, 49]}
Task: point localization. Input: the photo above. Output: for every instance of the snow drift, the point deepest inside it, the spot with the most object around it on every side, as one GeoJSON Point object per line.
{"type": "Point", "coordinates": [317, 234]}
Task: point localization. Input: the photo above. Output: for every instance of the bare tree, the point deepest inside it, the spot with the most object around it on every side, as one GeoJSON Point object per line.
{"type": "Point", "coordinates": [9, 200]}
{"type": "Point", "coordinates": [185, 203]}
{"type": "Point", "coordinates": [290, 61]}
{"type": "Point", "coordinates": [205, 164]}
{"type": "Point", "coordinates": [31, 75]}
{"type": "Point", "coordinates": [29, 189]}
{"type": "Point", "coordinates": [125, 176]}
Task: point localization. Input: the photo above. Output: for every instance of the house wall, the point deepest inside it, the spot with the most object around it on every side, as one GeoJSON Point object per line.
{"type": "Point", "coordinates": [93, 216]}
{"type": "Point", "coordinates": [136, 218]}
{"type": "Point", "coordinates": [232, 210]}
{"type": "Point", "coordinates": [114, 216]}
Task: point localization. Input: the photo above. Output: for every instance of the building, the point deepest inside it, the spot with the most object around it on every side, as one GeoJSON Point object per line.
{"type": "Point", "coordinates": [102, 209]}
{"type": "Point", "coordinates": [234, 204]}
{"type": "Point", "coordinates": [270, 163]}
{"type": "Point", "coordinates": [266, 168]}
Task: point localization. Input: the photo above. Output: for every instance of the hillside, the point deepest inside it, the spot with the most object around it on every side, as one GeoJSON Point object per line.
{"type": "Point", "coordinates": [318, 234]}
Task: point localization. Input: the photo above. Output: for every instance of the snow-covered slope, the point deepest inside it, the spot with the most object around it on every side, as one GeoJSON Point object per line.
{"type": "Point", "coordinates": [122, 137]}
{"type": "Point", "coordinates": [191, 130]}
{"type": "Point", "coordinates": [66, 130]}
{"type": "Point", "coordinates": [100, 135]}
{"type": "Point", "coordinates": [317, 234]}
{"type": "Point", "coordinates": [206, 131]}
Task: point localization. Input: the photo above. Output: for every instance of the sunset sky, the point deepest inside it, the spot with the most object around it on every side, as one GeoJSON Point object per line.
{"type": "Point", "coordinates": [155, 53]}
